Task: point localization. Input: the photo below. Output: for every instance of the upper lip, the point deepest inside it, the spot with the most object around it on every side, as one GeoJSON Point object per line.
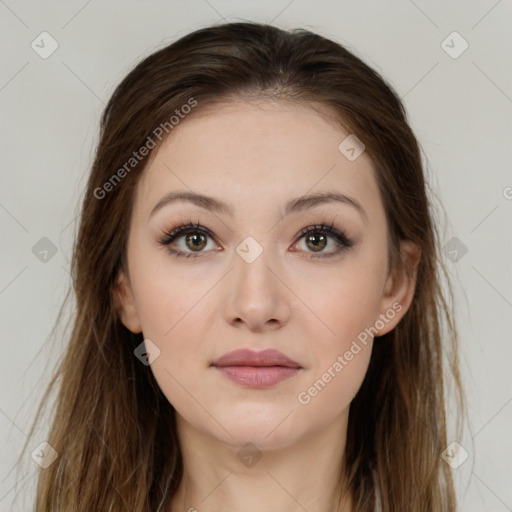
{"type": "Point", "coordinates": [246, 357]}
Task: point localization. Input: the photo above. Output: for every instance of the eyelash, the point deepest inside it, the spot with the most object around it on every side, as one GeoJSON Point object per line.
{"type": "Point", "coordinates": [339, 236]}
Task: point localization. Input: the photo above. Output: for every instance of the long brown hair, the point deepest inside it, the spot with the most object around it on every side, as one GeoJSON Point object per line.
{"type": "Point", "coordinates": [113, 429]}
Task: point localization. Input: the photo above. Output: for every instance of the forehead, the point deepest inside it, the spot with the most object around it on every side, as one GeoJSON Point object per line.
{"type": "Point", "coordinates": [252, 153]}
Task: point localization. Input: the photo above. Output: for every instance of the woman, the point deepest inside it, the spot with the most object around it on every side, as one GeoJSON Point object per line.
{"type": "Point", "coordinates": [259, 305]}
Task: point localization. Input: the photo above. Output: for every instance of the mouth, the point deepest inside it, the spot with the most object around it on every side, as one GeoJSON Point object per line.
{"type": "Point", "coordinates": [257, 376]}
{"type": "Point", "coordinates": [265, 358]}
{"type": "Point", "coordinates": [256, 369]}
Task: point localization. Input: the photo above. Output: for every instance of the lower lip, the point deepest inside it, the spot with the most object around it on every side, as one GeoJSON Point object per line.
{"type": "Point", "coordinates": [257, 376]}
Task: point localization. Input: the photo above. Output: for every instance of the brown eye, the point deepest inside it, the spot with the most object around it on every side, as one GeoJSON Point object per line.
{"type": "Point", "coordinates": [196, 241]}
{"type": "Point", "coordinates": [187, 240]}
{"type": "Point", "coordinates": [316, 239]}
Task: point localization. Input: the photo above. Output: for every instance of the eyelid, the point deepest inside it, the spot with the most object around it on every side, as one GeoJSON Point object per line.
{"type": "Point", "coordinates": [182, 229]}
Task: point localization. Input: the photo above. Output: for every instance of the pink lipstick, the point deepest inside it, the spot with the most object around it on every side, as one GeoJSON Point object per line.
{"type": "Point", "coordinates": [256, 369]}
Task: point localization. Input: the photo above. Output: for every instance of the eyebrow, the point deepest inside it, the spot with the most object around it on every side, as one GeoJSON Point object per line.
{"type": "Point", "coordinates": [292, 206]}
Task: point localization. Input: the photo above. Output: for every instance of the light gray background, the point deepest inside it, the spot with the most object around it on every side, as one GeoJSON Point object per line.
{"type": "Point", "coordinates": [460, 108]}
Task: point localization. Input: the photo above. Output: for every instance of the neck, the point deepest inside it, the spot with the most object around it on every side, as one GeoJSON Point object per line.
{"type": "Point", "coordinates": [305, 475]}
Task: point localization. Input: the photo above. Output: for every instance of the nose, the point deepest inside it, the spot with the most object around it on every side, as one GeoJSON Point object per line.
{"type": "Point", "coordinates": [255, 295]}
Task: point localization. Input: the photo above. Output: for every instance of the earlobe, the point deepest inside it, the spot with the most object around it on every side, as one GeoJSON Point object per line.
{"type": "Point", "coordinates": [125, 303]}
{"type": "Point", "coordinates": [400, 287]}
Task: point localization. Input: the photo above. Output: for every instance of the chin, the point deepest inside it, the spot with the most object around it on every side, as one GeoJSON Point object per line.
{"type": "Point", "coordinates": [267, 429]}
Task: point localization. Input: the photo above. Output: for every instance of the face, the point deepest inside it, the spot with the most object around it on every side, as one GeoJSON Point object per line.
{"type": "Point", "coordinates": [256, 270]}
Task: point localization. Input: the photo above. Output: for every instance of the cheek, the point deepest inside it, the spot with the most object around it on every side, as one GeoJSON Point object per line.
{"type": "Point", "coordinates": [349, 306]}
{"type": "Point", "coordinates": [166, 295]}
{"type": "Point", "coordinates": [332, 387]}
{"type": "Point", "coordinates": [173, 318]}
{"type": "Point", "coordinates": [341, 355]}
{"type": "Point", "coordinates": [347, 302]}
{"type": "Point", "coordinates": [175, 309]}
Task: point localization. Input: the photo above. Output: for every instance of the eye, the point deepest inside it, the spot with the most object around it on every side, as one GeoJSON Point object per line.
{"type": "Point", "coordinates": [193, 236]}
{"type": "Point", "coordinates": [316, 239]}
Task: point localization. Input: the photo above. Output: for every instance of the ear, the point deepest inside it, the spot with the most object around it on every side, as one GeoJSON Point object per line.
{"type": "Point", "coordinates": [399, 288]}
{"type": "Point", "coordinates": [125, 303]}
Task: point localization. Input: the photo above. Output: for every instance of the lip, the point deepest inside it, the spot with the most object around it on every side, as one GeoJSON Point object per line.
{"type": "Point", "coordinates": [256, 369]}
{"type": "Point", "coordinates": [246, 357]}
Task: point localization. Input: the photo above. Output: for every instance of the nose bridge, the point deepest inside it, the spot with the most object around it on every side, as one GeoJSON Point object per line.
{"type": "Point", "coordinates": [256, 295]}
{"type": "Point", "coordinates": [253, 262]}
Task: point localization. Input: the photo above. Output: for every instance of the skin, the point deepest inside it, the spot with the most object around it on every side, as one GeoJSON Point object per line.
{"type": "Point", "coordinates": [255, 156]}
